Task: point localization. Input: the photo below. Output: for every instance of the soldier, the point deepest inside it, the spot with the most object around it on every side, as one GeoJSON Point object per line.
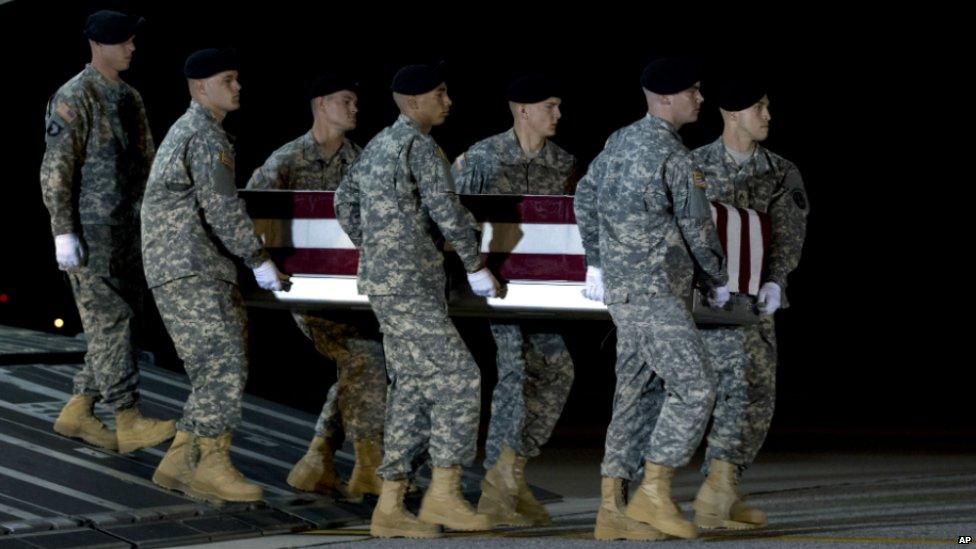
{"type": "Point", "coordinates": [193, 225]}
{"type": "Point", "coordinates": [535, 370]}
{"type": "Point", "coordinates": [355, 404]}
{"type": "Point", "coordinates": [93, 175]}
{"type": "Point", "coordinates": [394, 198]}
{"type": "Point", "coordinates": [745, 174]}
{"type": "Point", "coordinates": [644, 219]}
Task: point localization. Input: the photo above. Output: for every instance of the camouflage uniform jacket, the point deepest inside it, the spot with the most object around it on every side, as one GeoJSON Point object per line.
{"type": "Point", "coordinates": [193, 223]}
{"type": "Point", "coordinates": [301, 165]}
{"type": "Point", "coordinates": [498, 165]}
{"type": "Point", "coordinates": [641, 208]}
{"type": "Point", "coordinates": [94, 170]}
{"type": "Point", "coordinates": [394, 203]}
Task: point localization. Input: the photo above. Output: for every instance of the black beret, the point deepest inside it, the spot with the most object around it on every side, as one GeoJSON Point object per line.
{"type": "Point", "coordinates": [112, 27]}
{"type": "Point", "coordinates": [206, 63]}
{"type": "Point", "coordinates": [736, 94]}
{"type": "Point", "coordinates": [533, 88]}
{"type": "Point", "coordinates": [670, 75]}
{"type": "Point", "coordinates": [329, 83]}
{"type": "Point", "coordinates": [418, 79]}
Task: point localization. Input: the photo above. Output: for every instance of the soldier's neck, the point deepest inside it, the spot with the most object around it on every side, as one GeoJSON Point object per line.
{"type": "Point", "coordinates": [217, 113]}
{"type": "Point", "coordinates": [530, 141]}
{"type": "Point", "coordinates": [108, 72]}
{"type": "Point", "coordinates": [735, 141]}
{"type": "Point", "coordinates": [328, 138]}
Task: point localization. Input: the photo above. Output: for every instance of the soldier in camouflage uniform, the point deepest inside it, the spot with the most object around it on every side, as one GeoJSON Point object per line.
{"type": "Point", "coordinates": [535, 370]}
{"type": "Point", "coordinates": [193, 225]}
{"type": "Point", "coordinates": [644, 220]}
{"type": "Point", "coordinates": [390, 204]}
{"type": "Point", "coordinates": [355, 404]}
{"type": "Point", "coordinates": [93, 175]}
{"type": "Point", "coordinates": [744, 174]}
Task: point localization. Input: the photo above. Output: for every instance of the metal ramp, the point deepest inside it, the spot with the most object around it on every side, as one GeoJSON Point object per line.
{"type": "Point", "coordinates": [59, 492]}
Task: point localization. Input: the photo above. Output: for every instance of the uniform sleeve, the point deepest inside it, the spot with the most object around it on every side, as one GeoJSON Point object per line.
{"type": "Point", "coordinates": [694, 217]}
{"type": "Point", "coordinates": [347, 205]}
{"type": "Point", "coordinates": [271, 175]}
{"type": "Point", "coordinates": [467, 177]}
{"type": "Point", "coordinates": [585, 206]}
{"type": "Point", "coordinates": [211, 165]}
{"type": "Point", "coordinates": [788, 209]}
{"type": "Point", "coordinates": [433, 176]}
{"type": "Point", "coordinates": [68, 123]}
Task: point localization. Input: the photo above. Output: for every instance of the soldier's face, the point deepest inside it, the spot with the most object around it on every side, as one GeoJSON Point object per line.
{"type": "Point", "coordinates": [754, 121]}
{"type": "Point", "coordinates": [543, 117]}
{"type": "Point", "coordinates": [118, 56]}
{"type": "Point", "coordinates": [223, 91]}
{"type": "Point", "coordinates": [340, 109]}
{"type": "Point", "coordinates": [686, 104]}
{"type": "Point", "coordinates": [434, 106]}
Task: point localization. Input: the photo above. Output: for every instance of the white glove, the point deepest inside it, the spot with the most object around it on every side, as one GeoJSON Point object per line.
{"type": "Point", "coordinates": [594, 284]}
{"type": "Point", "coordinates": [718, 297]}
{"type": "Point", "coordinates": [483, 283]}
{"type": "Point", "coordinates": [769, 298]}
{"type": "Point", "coordinates": [69, 251]}
{"type": "Point", "coordinates": [268, 276]}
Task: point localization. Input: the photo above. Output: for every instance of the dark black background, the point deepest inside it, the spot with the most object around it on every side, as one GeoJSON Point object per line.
{"type": "Point", "coordinates": [865, 350]}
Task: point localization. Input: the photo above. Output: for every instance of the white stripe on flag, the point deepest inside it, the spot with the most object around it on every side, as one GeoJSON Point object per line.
{"type": "Point", "coordinates": [755, 252]}
{"type": "Point", "coordinates": [302, 233]}
{"type": "Point", "coordinates": [733, 245]}
{"type": "Point", "coordinates": [530, 238]}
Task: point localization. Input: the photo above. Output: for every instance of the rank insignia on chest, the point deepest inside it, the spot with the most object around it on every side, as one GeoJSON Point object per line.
{"type": "Point", "coordinates": [698, 178]}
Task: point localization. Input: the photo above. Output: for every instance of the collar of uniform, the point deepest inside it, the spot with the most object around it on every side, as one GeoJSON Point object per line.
{"type": "Point", "coordinates": [104, 84]}
{"type": "Point", "coordinates": [515, 154]}
{"type": "Point", "coordinates": [759, 161]}
{"type": "Point", "coordinates": [198, 110]}
{"type": "Point", "coordinates": [661, 124]}
{"type": "Point", "coordinates": [404, 120]}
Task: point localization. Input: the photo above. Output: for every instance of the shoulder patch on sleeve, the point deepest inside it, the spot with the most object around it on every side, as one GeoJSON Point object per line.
{"type": "Point", "coordinates": [800, 199]}
{"type": "Point", "coordinates": [440, 153]}
{"type": "Point", "coordinates": [66, 112]}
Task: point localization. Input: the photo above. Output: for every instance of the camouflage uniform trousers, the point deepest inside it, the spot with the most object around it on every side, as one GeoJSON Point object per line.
{"type": "Point", "coordinates": [434, 398]}
{"type": "Point", "coordinates": [107, 307]}
{"type": "Point", "coordinates": [207, 321]}
{"type": "Point", "coordinates": [657, 346]}
{"type": "Point", "coordinates": [356, 403]}
{"type": "Point", "coordinates": [535, 374]}
{"type": "Point", "coordinates": [744, 359]}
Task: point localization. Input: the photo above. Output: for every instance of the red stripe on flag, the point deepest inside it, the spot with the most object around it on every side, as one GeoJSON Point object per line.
{"type": "Point", "coordinates": [766, 223]}
{"type": "Point", "coordinates": [332, 261]}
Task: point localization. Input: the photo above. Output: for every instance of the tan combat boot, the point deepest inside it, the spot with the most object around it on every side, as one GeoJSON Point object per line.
{"type": "Point", "coordinates": [612, 523]}
{"type": "Point", "coordinates": [77, 421]}
{"type": "Point", "coordinates": [216, 479]}
{"type": "Point", "coordinates": [392, 520]}
{"type": "Point", "coordinates": [652, 504]}
{"type": "Point", "coordinates": [315, 472]}
{"type": "Point", "coordinates": [499, 492]}
{"type": "Point", "coordinates": [364, 479]}
{"type": "Point", "coordinates": [175, 471]}
{"type": "Point", "coordinates": [526, 504]}
{"type": "Point", "coordinates": [443, 503]}
{"type": "Point", "coordinates": [719, 504]}
{"type": "Point", "coordinates": [135, 431]}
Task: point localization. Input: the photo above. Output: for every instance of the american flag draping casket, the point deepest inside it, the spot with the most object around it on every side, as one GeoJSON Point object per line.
{"type": "Point", "coordinates": [530, 241]}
